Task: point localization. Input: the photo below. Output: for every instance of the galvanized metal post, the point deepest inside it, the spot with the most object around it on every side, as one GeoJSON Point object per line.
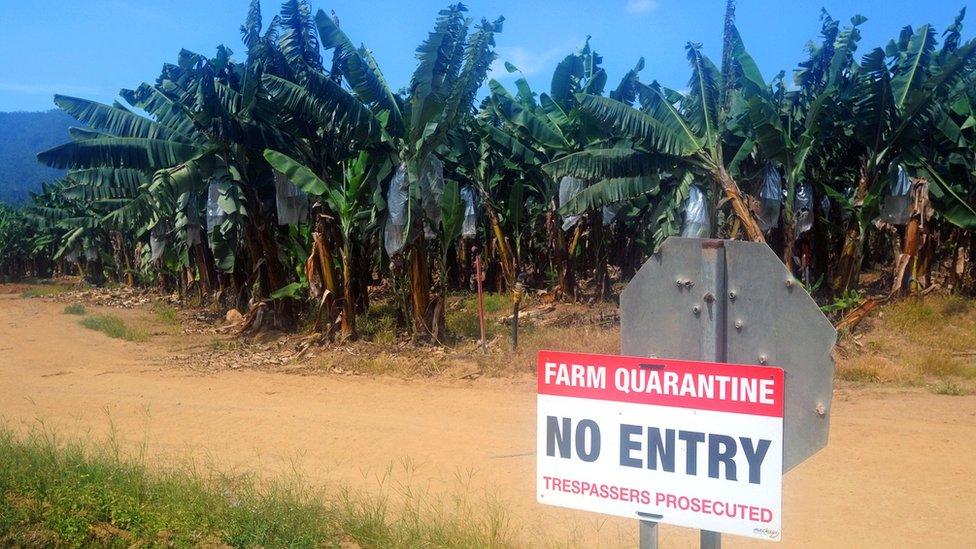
{"type": "Point", "coordinates": [648, 534]}
{"type": "Point", "coordinates": [713, 341]}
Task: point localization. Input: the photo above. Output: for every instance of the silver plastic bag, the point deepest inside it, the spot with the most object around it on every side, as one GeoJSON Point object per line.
{"type": "Point", "coordinates": [191, 232]}
{"type": "Point", "coordinates": [215, 214]}
{"type": "Point", "coordinates": [394, 235]}
{"type": "Point", "coordinates": [291, 202]}
{"type": "Point", "coordinates": [803, 208]}
{"type": "Point", "coordinates": [71, 256]}
{"type": "Point", "coordinates": [569, 187]}
{"type": "Point", "coordinates": [469, 226]}
{"type": "Point", "coordinates": [697, 223]}
{"type": "Point", "coordinates": [158, 240]}
{"type": "Point", "coordinates": [91, 253]}
{"type": "Point", "coordinates": [771, 196]}
{"type": "Point", "coordinates": [896, 206]}
{"type": "Point", "coordinates": [610, 213]}
{"type": "Point", "coordinates": [432, 189]}
{"type": "Point", "coordinates": [432, 194]}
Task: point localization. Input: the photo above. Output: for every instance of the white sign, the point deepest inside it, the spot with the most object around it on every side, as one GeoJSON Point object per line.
{"type": "Point", "coordinates": [694, 444]}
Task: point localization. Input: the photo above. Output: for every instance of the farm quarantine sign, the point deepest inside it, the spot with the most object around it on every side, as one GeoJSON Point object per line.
{"type": "Point", "coordinates": [688, 443]}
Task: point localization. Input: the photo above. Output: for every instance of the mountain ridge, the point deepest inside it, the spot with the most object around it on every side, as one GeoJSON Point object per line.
{"type": "Point", "coordinates": [23, 134]}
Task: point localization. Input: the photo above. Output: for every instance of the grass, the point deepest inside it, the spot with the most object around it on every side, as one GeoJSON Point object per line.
{"type": "Point", "coordinates": [65, 494]}
{"type": "Point", "coordinates": [166, 314]}
{"type": "Point", "coordinates": [948, 387]}
{"type": "Point", "coordinates": [923, 342]}
{"type": "Point", "coordinates": [859, 370]}
{"type": "Point", "coordinates": [379, 323]}
{"type": "Point", "coordinates": [75, 309]}
{"type": "Point", "coordinates": [462, 319]}
{"type": "Point", "coordinates": [45, 290]}
{"type": "Point", "coordinates": [114, 327]}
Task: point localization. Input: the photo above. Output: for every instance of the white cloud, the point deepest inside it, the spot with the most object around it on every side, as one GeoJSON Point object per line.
{"type": "Point", "coordinates": [641, 6]}
{"type": "Point", "coordinates": [527, 61]}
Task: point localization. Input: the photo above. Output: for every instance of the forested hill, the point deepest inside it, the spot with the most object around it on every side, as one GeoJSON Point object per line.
{"type": "Point", "coordinates": [22, 136]}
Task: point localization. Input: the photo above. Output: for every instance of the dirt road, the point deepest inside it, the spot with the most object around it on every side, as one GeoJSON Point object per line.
{"type": "Point", "coordinates": [900, 469]}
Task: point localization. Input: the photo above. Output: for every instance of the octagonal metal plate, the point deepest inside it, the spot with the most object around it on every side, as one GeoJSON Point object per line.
{"type": "Point", "coordinates": [769, 318]}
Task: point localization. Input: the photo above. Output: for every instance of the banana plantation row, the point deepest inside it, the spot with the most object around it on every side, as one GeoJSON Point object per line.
{"type": "Point", "coordinates": [293, 181]}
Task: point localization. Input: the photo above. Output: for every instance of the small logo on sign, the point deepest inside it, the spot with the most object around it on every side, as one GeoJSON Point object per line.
{"type": "Point", "coordinates": [768, 532]}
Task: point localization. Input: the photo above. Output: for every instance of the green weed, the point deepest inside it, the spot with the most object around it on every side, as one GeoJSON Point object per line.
{"type": "Point", "coordinates": [113, 326]}
{"type": "Point", "coordinates": [948, 387]}
{"type": "Point", "coordinates": [63, 494]}
{"type": "Point", "coordinates": [75, 309]}
{"type": "Point", "coordinates": [45, 290]}
{"type": "Point", "coordinates": [166, 314]}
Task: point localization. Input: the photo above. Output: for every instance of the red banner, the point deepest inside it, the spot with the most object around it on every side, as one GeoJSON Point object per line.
{"type": "Point", "coordinates": [737, 388]}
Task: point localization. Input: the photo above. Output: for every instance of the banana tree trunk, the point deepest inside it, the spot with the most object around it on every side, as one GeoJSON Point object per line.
{"type": "Point", "coordinates": [849, 263]}
{"type": "Point", "coordinates": [419, 288]}
{"type": "Point", "coordinates": [260, 234]}
{"type": "Point", "coordinates": [122, 259]}
{"type": "Point", "coordinates": [348, 297]}
{"type": "Point", "coordinates": [915, 248]}
{"type": "Point", "coordinates": [206, 264]}
{"type": "Point", "coordinates": [600, 274]}
{"type": "Point", "coordinates": [505, 256]}
{"type": "Point", "coordinates": [324, 257]}
{"type": "Point", "coordinates": [789, 244]}
{"type": "Point", "coordinates": [739, 206]}
{"type": "Point", "coordinates": [960, 259]}
{"type": "Point", "coordinates": [464, 265]}
{"type": "Point", "coordinates": [560, 253]}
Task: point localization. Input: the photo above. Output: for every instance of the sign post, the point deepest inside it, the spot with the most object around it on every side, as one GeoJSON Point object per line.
{"type": "Point", "coordinates": [701, 310]}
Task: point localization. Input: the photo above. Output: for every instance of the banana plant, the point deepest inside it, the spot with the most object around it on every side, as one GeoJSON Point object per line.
{"type": "Point", "coordinates": [897, 96]}
{"type": "Point", "coordinates": [673, 132]}
{"type": "Point", "coordinates": [789, 127]}
{"type": "Point", "coordinates": [553, 130]}
{"type": "Point", "coordinates": [349, 198]}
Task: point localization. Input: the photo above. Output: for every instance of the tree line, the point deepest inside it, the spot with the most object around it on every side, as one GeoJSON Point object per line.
{"type": "Point", "coordinates": [295, 181]}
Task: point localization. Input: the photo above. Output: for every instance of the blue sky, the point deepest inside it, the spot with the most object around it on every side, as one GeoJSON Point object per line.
{"type": "Point", "coordinates": [92, 48]}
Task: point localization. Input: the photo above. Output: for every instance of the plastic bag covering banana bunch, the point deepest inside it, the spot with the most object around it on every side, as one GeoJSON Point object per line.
{"type": "Point", "coordinates": [191, 228]}
{"type": "Point", "coordinates": [610, 212]}
{"type": "Point", "coordinates": [895, 207]}
{"type": "Point", "coordinates": [697, 223]}
{"type": "Point", "coordinates": [771, 196]}
{"type": "Point", "coordinates": [71, 256]}
{"type": "Point", "coordinates": [432, 195]}
{"type": "Point", "coordinates": [291, 202]}
{"type": "Point", "coordinates": [431, 190]}
{"type": "Point", "coordinates": [215, 214]}
{"type": "Point", "coordinates": [394, 235]}
{"type": "Point", "coordinates": [158, 239]}
{"type": "Point", "coordinates": [803, 208]}
{"type": "Point", "coordinates": [569, 187]}
{"type": "Point", "coordinates": [91, 252]}
{"type": "Point", "coordinates": [469, 226]}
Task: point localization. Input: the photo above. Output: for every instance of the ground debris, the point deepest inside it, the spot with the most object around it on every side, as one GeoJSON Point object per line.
{"type": "Point", "coordinates": [121, 297]}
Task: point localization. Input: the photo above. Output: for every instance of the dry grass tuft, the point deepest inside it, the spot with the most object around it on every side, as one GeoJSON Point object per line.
{"type": "Point", "coordinates": [917, 342]}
